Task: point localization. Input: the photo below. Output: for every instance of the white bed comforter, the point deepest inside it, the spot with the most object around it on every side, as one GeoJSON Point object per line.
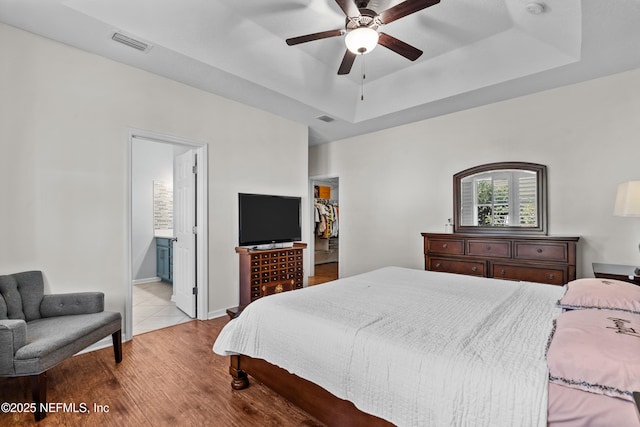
{"type": "Point", "coordinates": [416, 348]}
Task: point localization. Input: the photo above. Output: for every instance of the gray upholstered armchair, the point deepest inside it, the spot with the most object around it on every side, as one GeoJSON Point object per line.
{"type": "Point", "coordinates": [39, 331]}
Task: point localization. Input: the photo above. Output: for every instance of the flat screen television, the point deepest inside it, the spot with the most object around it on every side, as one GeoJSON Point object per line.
{"type": "Point", "coordinates": [267, 220]}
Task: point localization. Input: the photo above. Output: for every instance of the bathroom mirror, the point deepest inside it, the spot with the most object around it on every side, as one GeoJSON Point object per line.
{"type": "Point", "coordinates": [500, 198]}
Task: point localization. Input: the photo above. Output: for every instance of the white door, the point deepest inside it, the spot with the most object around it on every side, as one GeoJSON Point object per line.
{"type": "Point", "coordinates": [184, 248]}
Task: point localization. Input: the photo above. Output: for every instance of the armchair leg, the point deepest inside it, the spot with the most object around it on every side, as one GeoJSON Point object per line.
{"type": "Point", "coordinates": [117, 345]}
{"type": "Point", "coordinates": [39, 394]}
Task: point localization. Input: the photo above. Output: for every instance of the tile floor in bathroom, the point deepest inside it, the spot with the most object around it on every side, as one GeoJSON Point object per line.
{"type": "Point", "coordinates": [153, 308]}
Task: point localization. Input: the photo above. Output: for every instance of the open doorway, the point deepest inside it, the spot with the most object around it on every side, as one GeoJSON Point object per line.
{"type": "Point", "coordinates": [167, 263]}
{"type": "Point", "coordinates": [325, 246]}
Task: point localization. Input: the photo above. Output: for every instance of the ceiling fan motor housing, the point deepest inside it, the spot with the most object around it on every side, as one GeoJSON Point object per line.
{"type": "Point", "coordinates": [368, 18]}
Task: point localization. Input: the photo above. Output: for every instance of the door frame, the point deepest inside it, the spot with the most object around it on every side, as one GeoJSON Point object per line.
{"type": "Point", "coordinates": [202, 216]}
{"type": "Point", "coordinates": [312, 238]}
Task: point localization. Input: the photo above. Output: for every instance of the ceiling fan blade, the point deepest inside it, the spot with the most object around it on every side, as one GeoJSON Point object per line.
{"type": "Point", "coordinates": [347, 62]}
{"type": "Point", "coordinates": [405, 8]}
{"type": "Point", "coordinates": [399, 47]}
{"type": "Point", "coordinates": [349, 8]}
{"type": "Point", "coordinates": [315, 36]}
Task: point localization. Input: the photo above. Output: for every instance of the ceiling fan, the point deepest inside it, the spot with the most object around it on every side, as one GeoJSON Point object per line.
{"type": "Point", "coordinates": [361, 29]}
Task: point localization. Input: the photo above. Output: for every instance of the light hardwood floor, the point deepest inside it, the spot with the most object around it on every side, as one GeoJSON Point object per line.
{"type": "Point", "coordinates": [324, 273]}
{"type": "Point", "coordinates": [168, 377]}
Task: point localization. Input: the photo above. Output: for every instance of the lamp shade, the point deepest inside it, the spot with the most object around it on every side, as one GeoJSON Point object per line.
{"type": "Point", "coordinates": [628, 199]}
{"type": "Point", "coordinates": [361, 40]}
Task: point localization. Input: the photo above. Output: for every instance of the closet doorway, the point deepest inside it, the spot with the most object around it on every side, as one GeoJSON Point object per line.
{"type": "Point", "coordinates": [325, 243]}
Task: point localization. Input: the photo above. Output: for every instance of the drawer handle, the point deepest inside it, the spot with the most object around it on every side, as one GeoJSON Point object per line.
{"type": "Point", "coordinates": [539, 250]}
{"type": "Point", "coordinates": [488, 247]}
{"type": "Point", "coordinates": [438, 265]}
{"type": "Point", "coordinates": [444, 245]}
{"type": "Point", "coordinates": [551, 276]}
{"type": "Point", "coordinates": [474, 268]}
{"type": "Point", "coordinates": [502, 272]}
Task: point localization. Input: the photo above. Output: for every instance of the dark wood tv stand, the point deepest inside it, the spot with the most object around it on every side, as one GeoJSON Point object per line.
{"type": "Point", "coordinates": [270, 271]}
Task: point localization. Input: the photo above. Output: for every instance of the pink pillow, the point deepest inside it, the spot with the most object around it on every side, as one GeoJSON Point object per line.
{"type": "Point", "coordinates": [596, 351]}
{"type": "Point", "coordinates": [569, 407]}
{"type": "Point", "coordinates": [602, 293]}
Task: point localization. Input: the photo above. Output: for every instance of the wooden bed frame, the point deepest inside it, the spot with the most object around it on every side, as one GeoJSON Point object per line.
{"type": "Point", "coordinates": [308, 396]}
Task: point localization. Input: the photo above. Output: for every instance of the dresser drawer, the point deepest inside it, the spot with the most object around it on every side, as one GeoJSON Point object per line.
{"type": "Point", "coordinates": [270, 271]}
{"type": "Point", "coordinates": [489, 248]}
{"type": "Point", "coordinates": [445, 265]}
{"type": "Point", "coordinates": [277, 287]}
{"type": "Point", "coordinates": [541, 251]}
{"type": "Point", "coordinates": [255, 292]}
{"type": "Point", "coordinates": [530, 273]}
{"type": "Point", "coordinates": [446, 246]}
{"type": "Point", "coordinates": [541, 259]}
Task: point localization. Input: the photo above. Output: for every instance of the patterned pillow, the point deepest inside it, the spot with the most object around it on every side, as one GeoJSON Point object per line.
{"type": "Point", "coordinates": [602, 293]}
{"type": "Point", "coordinates": [596, 351]}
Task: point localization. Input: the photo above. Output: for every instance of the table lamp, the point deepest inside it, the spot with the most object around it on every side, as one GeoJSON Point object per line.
{"type": "Point", "coordinates": [628, 203]}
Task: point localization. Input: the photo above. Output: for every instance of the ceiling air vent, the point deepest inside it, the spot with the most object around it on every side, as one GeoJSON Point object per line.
{"type": "Point", "coordinates": [131, 42]}
{"type": "Point", "coordinates": [325, 118]}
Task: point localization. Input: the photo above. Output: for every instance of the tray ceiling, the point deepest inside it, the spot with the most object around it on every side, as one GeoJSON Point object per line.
{"type": "Point", "coordinates": [475, 52]}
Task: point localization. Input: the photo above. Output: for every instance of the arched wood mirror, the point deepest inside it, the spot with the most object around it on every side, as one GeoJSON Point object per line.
{"type": "Point", "coordinates": [501, 198]}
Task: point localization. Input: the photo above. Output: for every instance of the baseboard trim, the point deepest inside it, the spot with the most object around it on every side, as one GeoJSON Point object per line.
{"type": "Point", "coordinates": [147, 280]}
{"type": "Point", "coordinates": [217, 313]}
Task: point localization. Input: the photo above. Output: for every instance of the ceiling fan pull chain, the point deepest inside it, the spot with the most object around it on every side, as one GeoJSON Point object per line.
{"type": "Point", "coordinates": [362, 81]}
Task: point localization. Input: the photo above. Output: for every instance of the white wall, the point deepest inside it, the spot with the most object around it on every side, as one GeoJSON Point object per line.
{"type": "Point", "coordinates": [397, 183]}
{"type": "Point", "coordinates": [151, 161]}
{"type": "Point", "coordinates": [64, 121]}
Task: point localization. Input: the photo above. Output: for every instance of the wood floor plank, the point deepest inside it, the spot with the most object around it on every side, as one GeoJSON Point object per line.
{"type": "Point", "coordinates": [324, 273]}
{"type": "Point", "coordinates": [167, 377]}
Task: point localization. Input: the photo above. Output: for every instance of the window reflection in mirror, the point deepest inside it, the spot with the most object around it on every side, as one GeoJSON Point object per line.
{"type": "Point", "coordinates": [500, 197]}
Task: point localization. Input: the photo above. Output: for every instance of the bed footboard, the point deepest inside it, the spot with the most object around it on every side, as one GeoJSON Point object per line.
{"type": "Point", "coordinates": [308, 396]}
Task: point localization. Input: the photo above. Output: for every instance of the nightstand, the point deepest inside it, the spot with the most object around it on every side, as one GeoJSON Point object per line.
{"type": "Point", "coordinates": [616, 271]}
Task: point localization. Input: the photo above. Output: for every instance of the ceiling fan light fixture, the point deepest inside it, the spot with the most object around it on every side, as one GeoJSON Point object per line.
{"type": "Point", "coordinates": [361, 40]}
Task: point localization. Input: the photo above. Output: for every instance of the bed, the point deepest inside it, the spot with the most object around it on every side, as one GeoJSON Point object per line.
{"type": "Point", "coordinates": [398, 346]}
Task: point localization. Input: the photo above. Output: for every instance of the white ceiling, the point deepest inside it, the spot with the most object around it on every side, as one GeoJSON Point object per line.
{"type": "Point", "coordinates": [475, 52]}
